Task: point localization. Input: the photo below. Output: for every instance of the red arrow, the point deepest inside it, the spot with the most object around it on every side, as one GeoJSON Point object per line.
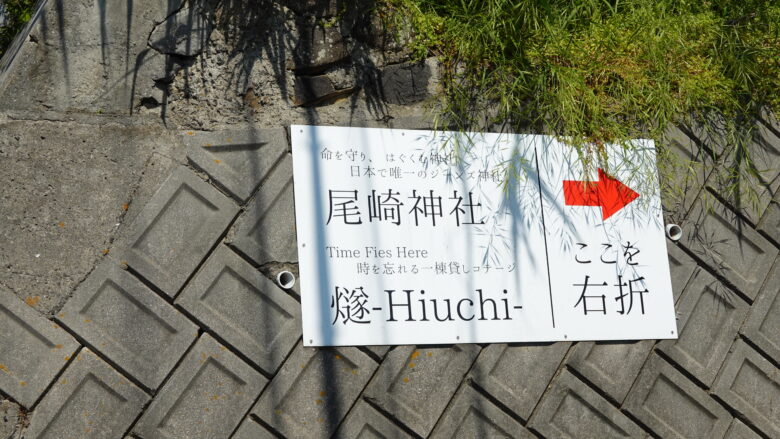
{"type": "Point", "coordinates": [608, 192]}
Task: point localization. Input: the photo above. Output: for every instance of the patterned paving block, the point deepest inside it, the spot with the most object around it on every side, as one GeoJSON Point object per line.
{"type": "Point", "coordinates": [379, 351]}
{"type": "Point", "coordinates": [175, 230]}
{"type": "Point", "coordinates": [236, 159]}
{"type": "Point", "coordinates": [33, 350]}
{"type": "Point", "coordinates": [611, 366]}
{"type": "Point", "coordinates": [314, 390]}
{"type": "Point", "coordinates": [266, 231]}
{"type": "Point", "coordinates": [89, 400]}
{"type": "Point", "coordinates": [770, 222]}
{"type": "Point", "coordinates": [710, 315]}
{"type": "Point", "coordinates": [244, 308]}
{"type": "Point", "coordinates": [206, 397]}
{"type": "Point", "coordinates": [672, 406]}
{"type": "Point", "coordinates": [364, 421]}
{"type": "Point", "coordinates": [689, 170]}
{"type": "Point", "coordinates": [131, 325]}
{"type": "Point", "coordinates": [250, 429]}
{"type": "Point", "coordinates": [762, 326]}
{"type": "Point", "coordinates": [10, 416]}
{"type": "Point", "coordinates": [729, 246]}
{"type": "Point", "coordinates": [750, 384]}
{"type": "Point", "coordinates": [415, 384]}
{"type": "Point", "coordinates": [764, 153]}
{"type": "Point", "coordinates": [497, 368]}
{"type": "Point", "coordinates": [571, 409]}
{"type": "Point", "coordinates": [739, 430]}
{"type": "Point", "coordinates": [472, 415]}
{"type": "Point", "coordinates": [681, 267]}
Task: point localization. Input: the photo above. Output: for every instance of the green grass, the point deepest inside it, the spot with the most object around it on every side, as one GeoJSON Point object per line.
{"type": "Point", "coordinates": [598, 71]}
{"type": "Point", "coordinates": [18, 13]}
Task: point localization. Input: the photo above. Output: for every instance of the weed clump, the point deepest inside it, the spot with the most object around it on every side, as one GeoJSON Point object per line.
{"type": "Point", "coordinates": [607, 71]}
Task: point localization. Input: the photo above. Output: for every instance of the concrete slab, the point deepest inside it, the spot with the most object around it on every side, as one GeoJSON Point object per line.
{"type": "Point", "coordinates": [65, 186]}
{"type": "Point", "coordinates": [135, 328]}
{"type": "Point", "coordinates": [762, 326]}
{"type": "Point", "coordinates": [249, 429]}
{"type": "Point", "coordinates": [729, 246]}
{"type": "Point", "coordinates": [755, 191]}
{"type": "Point", "coordinates": [472, 415]}
{"type": "Point", "coordinates": [414, 384]}
{"type": "Point", "coordinates": [672, 406]}
{"type": "Point", "coordinates": [184, 33]}
{"type": "Point", "coordinates": [379, 351]}
{"type": "Point", "coordinates": [739, 430]}
{"type": "Point", "coordinates": [612, 366]}
{"type": "Point", "coordinates": [750, 384]}
{"type": "Point", "coordinates": [89, 400]}
{"type": "Point", "coordinates": [571, 409]}
{"type": "Point", "coordinates": [87, 59]}
{"type": "Point", "coordinates": [244, 308]}
{"type": "Point", "coordinates": [497, 366]}
{"type": "Point", "coordinates": [11, 416]}
{"type": "Point", "coordinates": [266, 231]}
{"type": "Point", "coordinates": [770, 221]}
{"type": "Point", "coordinates": [709, 316]}
{"type": "Point", "coordinates": [681, 267]}
{"type": "Point", "coordinates": [175, 230]}
{"type": "Point", "coordinates": [688, 166]}
{"type": "Point", "coordinates": [314, 390]}
{"type": "Point", "coordinates": [33, 350]}
{"type": "Point", "coordinates": [236, 159]}
{"type": "Point", "coordinates": [207, 396]}
{"type": "Point", "coordinates": [364, 421]}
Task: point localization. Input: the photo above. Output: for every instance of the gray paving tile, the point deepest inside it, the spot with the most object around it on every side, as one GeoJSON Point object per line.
{"type": "Point", "coordinates": [206, 397]}
{"type": "Point", "coordinates": [472, 415]}
{"type": "Point", "coordinates": [611, 366]}
{"type": "Point", "coordinates": [729, 246]}
{"type": "Point", "coordinates": [709, 316]}
{"type": "Point", "coordinates": [175, 230]}
{"type": "Point", "coordinates": [681, 267]}
{"type": "Point", "coordinates": [750, 384]}
{"type": "Point", "coordinates": [739, 430]}
{"type": "Point", "coordinates": [10, 416]}
{"type": "Point", "coordinates": [688, 167]}
{"type": "Point", "coordinates": [770, 221]}
{"type": "Point", "coordinates": [89, 400]}
{"type": "Point", "coordinates": [135, 328]}
{"type": "Point", "coordinates": [379, 351]}
{"type": "Point", "coordinates": [672, 406]}
{"type": "Point", "coordinates": [571, 409]}
{"type": "Point", "coordinates": [363, 421]}
{"type": "Point", "coordinates": [33, 350]}
{"type": "Point", "coordinates": [266, 231]}
{"type": "Point", "coordinates": [250, 429]}
{"type": "Point", "coordinates": [762, 326]}
{"type": "Point", "coordinates": [314, 390]}
{"type": "Point", "coordinates": [496, 371]}
{"type": "Point", "coordinates": [244, 308]}
{"type": "Point", "coordinates": [415, 384]}
{"type": "Point", "coordinates": [237, 159]}
{"type": "Point", "coordinates": [756, 191]}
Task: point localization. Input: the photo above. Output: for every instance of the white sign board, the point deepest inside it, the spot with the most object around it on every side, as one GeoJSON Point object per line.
{"type": "Point", "coordinates": [422, 237]}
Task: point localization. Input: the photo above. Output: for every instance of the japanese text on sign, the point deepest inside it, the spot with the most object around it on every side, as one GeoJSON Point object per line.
{"type": "Point", "coordinates": [415, 237]}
